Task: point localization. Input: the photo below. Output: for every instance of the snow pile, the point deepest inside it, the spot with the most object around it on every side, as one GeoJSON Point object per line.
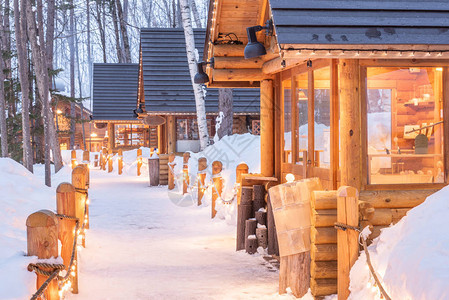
{"type": "Point", "coordinates": [22, 194]}
{"type": "Point", "coordinates": [411, 257]}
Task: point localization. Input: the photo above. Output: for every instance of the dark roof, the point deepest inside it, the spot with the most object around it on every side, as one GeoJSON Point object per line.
{"type": "Point", "coordinates": [361, 22]}
{"type": "Point", "coordinates": [114, 91]}
{"type": "Point", "coordinates": [166, 76]}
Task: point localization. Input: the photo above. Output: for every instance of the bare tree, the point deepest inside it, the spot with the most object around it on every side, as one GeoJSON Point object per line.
{"type": "Point", "coordinates": [3, 128]}
{"type": "Point", "coordinates": [21, 41]}
{"type": "Point", "coordinates": [101, 27]}
{"type": "Point", "coordinates": [198, 90]}
{"type": "Point", "coordinates": [124, 32]}
{"type": "Point", "coordinates": [225, 105]}
{"type": "Point", "coordinates": [196, 15]}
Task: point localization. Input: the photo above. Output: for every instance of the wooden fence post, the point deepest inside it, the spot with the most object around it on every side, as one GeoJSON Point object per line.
{"type": "Point", "coordinates": [171, 170]}
{"type": "Point", "coordinates": [110, 161]}
{"type": "Point", "coordinates": [244, 210]}
{"type": "Point", "coordinates": [86, 157]}
{"type": "Point", "coordinates": [217, 167]}
{"type": "Point", "coordinates": [185, 172]}
{"type": "Point", "coordinates": [139, 161]}
{"type": "Point", "coordinates": [153, 169]}
{"type": "Point", "coordinates": [74, 162]}
{"type": "Point", "coordinates": [120, 161]}
{"type": "Point", "coordinates": [87, 178]}
{"type": "Point", "coordinates": [104, 156]}
{"type": "Point", "coordinates": [66, 205]}
{"type": "Point", "coordinates": [202, 166]}
{"type": "Point", "coordinates": [42, 241]}
{"type": "Point", "coordinates": [239, 171]}
{"type": "Point", "coordinates": [96, 160]}
{"type": "Point", "coordinates": [79, 182]}
{"type": "Point", "coordinates": [347, 241]}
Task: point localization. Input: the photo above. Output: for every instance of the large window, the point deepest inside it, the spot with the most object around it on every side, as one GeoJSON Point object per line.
{"type": "Point", "coordinates": [322, 116]}
{"type": "Point", "coordinates": [302, 104]}
{"type": "Point", "coordinates": [287, 98]}
{"type": "Point", "coordinates": [129, 135]}
{"type": "Point", "coordinates": [187, 128]}
{"type": "Point", "coordinates": [405, 132]}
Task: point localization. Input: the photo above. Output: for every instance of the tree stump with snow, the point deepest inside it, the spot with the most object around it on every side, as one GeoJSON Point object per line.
{"type": "Point", "coordinates": [42, 241]}
{"type": "Point", "coordinates": [250, 235]}
{"type": "Point", "coordinates": [261, 217]}
{"type": "Point", "coordinates": [262, 237]}
{"type": "Point", "coordinates": [251, 244]}
{"type": "Point", "coordinates": [243, 214]}
{"type": "Point", "coordinates": [66, 205]}
{"type": "Point", "coordinates": [202, 166]}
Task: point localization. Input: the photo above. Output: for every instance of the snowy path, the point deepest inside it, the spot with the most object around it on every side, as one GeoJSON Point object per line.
{"type": "Point", "coordinates": [141, 246]}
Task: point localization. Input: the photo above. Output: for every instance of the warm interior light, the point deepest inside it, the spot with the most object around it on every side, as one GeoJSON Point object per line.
{"type": "Point", "coordinates": [59, 111]}
{"type": "Point", "coordinates": [93, 134]}
{"type": "Point", "coordinates": [302, 95]}
{"type": "Point", "coordinates": [439, 69]}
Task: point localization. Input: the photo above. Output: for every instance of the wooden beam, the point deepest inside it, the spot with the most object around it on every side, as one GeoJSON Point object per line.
{"type": "Point", "coordinates": [239, 75]}
{"type": "Point", "coordinates": [171, 133]}
{"type": "Point", "coordinates": [446, 122]}
{"type": "Point", "coordinates": [279, 64]}
{"type": "Point", "coordinates": [228, 50]}
{"type": "Point", "coordinates": [267, 127]}
{"type": "Point", "coordinates": [350, 123]}
{"type": "Point", "coordinates": [238, 62]}
{"type": "Point", "coordinates": [234, 84]}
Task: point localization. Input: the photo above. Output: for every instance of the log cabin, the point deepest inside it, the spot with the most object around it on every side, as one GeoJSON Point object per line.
{"type": "Point", "coordinates": [166, 98]}
{"type": "Point", "coordinates": [355, 93]}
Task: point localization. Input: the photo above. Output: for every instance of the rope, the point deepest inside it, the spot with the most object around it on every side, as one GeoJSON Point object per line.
{"type": "Point", "coordinates": [81, 190]}
{"type": "Point", "coordinates": [38, 268]}
{"type": "Point", "coordinates": [44, 286]}
{"type": "Point", "coordinates": [344, 227]}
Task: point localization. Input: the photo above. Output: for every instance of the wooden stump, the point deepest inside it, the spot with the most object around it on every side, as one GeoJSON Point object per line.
{"type": "Point", "coordinates": [261, 217]}
{"type": "Point", "coordinates": [66, 205]}
{"type": "Point", "coordinates": [185, 172]}
{"type": "Point", "coordinates": [153, 169]}
{"type": "Point", "coordinates": [262, 237]}
{"type": "Point", "coordinates": [247, 195]}
{"type": "Point", "coordinates": [171, 168]}
{"type": "Point", "coordinates": [251, 244]}
{"type": "Point", "coordinates": [120, 161]}
{"type": "Point", "coordinates": [110, 161]}
{"type": "Point", "coordinates": [250, 236]}
{"type": "Point", "coordinates": [79, 182]}
{"type": "Point", "coordinates": [347, 241]}
{"type": "Point", "coordinates": [202, 166]}
{"type": "Point", "coordinates": [42, 241]}
{"type": "Point", "coordinates": [139, 161]}
{"type": "Point", "coordinates": [273, 247]}
{"type": "Point", "coordinates": [74, 162]}
{"type": "Point", "coordinates": [243, 214]}
{"type": "Point", "coordinates": [239, 171]}
{"type": "Point", "coordinates": [258, 197]}
{"type": "Point", "coordinates": [217, 184]}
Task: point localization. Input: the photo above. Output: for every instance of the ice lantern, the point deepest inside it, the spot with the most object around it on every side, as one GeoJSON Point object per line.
{"type": "Point", "coordinates": [291, 210]}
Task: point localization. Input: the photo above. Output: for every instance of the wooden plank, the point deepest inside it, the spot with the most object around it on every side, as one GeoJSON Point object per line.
{"type": "Point", "coordinates": [324, 200]}
{"type": "Point", "coordinates": [239, 75]}
{"type": "Point", "coordinates": [238, 62]}
{"type": "Point", "coordinates": [311, 126]}
{"type": "Point", "coordinates": [323, 269]}
{"type": "Point", "coordinates": [335, 118]}
{"type": "Point", "coordinates": [395, 198]}
{"type": "Point", "coordinates": [446, 122]}
{"type": "Point", "coordinates": [323, 252]}
{"type": "Point", "coordinates": [323, 235]}
{"type": "Point", "coordinates": [324, 218]}
{"type": "Point", "coordinates": [323, 287]}
{"type": "Point", "coordinates": [267, 128]}
{"type": "Point", "coordinates": [364, 127]}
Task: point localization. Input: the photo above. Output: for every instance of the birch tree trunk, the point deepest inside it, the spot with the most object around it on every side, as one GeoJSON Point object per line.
{"type": "Point", "coordinates": [124, 32]}
{"type": "Point", "coordinates": [196, 15]}
{"type": "Point", "coordinates": [21, 40]}
{"type": "Point", "coordinates": [40, 64]}
{"type": "Point", "coordinates": [225, 105]}
{"type": "Point", "coordinates": [197, 89]}
{"type": "Point", "coordinates": [3, 128]}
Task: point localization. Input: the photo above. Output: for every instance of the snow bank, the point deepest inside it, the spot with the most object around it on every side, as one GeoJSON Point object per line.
{"type": "Point", "coordinates": [412, 256]}
{"type": "Point", "coordinates": [22, 193]}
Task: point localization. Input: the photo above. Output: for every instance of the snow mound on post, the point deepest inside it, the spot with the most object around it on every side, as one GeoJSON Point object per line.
{"type": "Point", "coordinates": [22, 193]}
{"type": "Point", "coordinates": [411, 257]}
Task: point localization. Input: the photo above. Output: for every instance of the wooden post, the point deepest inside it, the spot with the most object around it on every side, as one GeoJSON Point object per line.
{"type": "Point", "coordinates": [250, 236]}
{"type": "Point", "coordinates": [139, 161]}
{"type": "Point", "coordinates": [96, 160]}
{"type": "Point", "coordinates": [66, 205]}
{"type": "Point", "coordinates": [171, 168]}
{"type": "Point", "coordinates": [87, 178]}
{"type": "Point", "coordinates": [267, 127]}
{"type": "Point", "coordinates": [347, 241]}
{"type": "Point", "coordinates": [273, 247]}
{"type": "Point", "coordinates": [153, 169]}
{"type": "Point", "coordinates": [74, 162]}
{"type": "Point", "coordinates": [79, 182]}
{"type": "Point", "coordinates": [244, 211]}
{"type": "Point", "coordinates": [258, 198]}
{"type": "Point", "coordinates": [217, 184]}
{"type": "Point", "coordinates": [111, 136]}
{"type": "Point", "coordinates": [171, 134]}
{"type": "Point", "coordinates": [202, 166]}
{"type": "Point", "coordinates": [104, 155]}
{"type": "Point", "coordinates": [239, 171]}
{"type": "Point", "coordinates": [120, 161]}
{"type": "Point", "coordinates": [185, 172]}
{"type": "Point", "coordinates": [86, 157]}
{"type": "Point", "coordinates": [110, 161]}
{"type": "Point", "coordinates": [42, 241]}
{"type": "Point", "coordinates": [350, 123]}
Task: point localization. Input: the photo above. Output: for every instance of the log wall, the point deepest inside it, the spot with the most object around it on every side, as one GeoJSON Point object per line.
{"type": "Point", "coordinates": [163, 169]}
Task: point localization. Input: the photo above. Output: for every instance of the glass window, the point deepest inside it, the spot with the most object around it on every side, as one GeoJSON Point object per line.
{"type": "Point", "coordinates": [287, 98]}
{"type": "Point", "coordinates": [187, 128]}
{"type": "Point", "coordinates": [405, 133]}
{"type": "Point", "coordinates": [322, 115]}
{"type": "Point", "coordinates": [127, 135]}
{"type": "Point", "coordinates": [302, 103]}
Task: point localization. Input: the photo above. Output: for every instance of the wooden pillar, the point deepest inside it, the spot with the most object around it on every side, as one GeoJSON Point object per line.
{"type": "Point", "coordinates": [202, 166]}
{"type": "Point", "coordinates": [79, 182]}
{"type": "Point", "coordinates": [350, 123]}
{"type": "Point", "coordinates": [171, 134]}
{"type": "Point", "coordinates": [42, 241]}
{"type": "Point", "coordinates": [96, 160]}
{"type": "Point", "coordinates": [446, 122]}
{"type": "Point", "coordinates": [347, 241]}
{"type": "Point", "coordinates": [110, 161]}
{"type": "Point", "coordinates": [267, 127]}
{"type": "Point", "coordinates": [239, 171]}
{"type": "Point", "coordinates": [120, 161]}
{"type": "Point", "coordinates": [185, 172]}
{"type": "Point", "coordinates": [74, 162]}
{"type": "Point", "coordinates": [111, 134]}
{"type": "Point", "coordinates": [171, 169]}
{"type": "Point", "coordinates": [217, 184]}
{"type": "Point", "coordinates": [104, 154]}
{"type": "Point", "coordinates": [153, 169]}
{"type": "Point", "coordinates": [139, 161]}
{"type": "Point", "coordinates": [244, 210]}
{"type": "Point", "coordinates": [86, 157]}
{"type": "Point", "coordinates": [65, 205]}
